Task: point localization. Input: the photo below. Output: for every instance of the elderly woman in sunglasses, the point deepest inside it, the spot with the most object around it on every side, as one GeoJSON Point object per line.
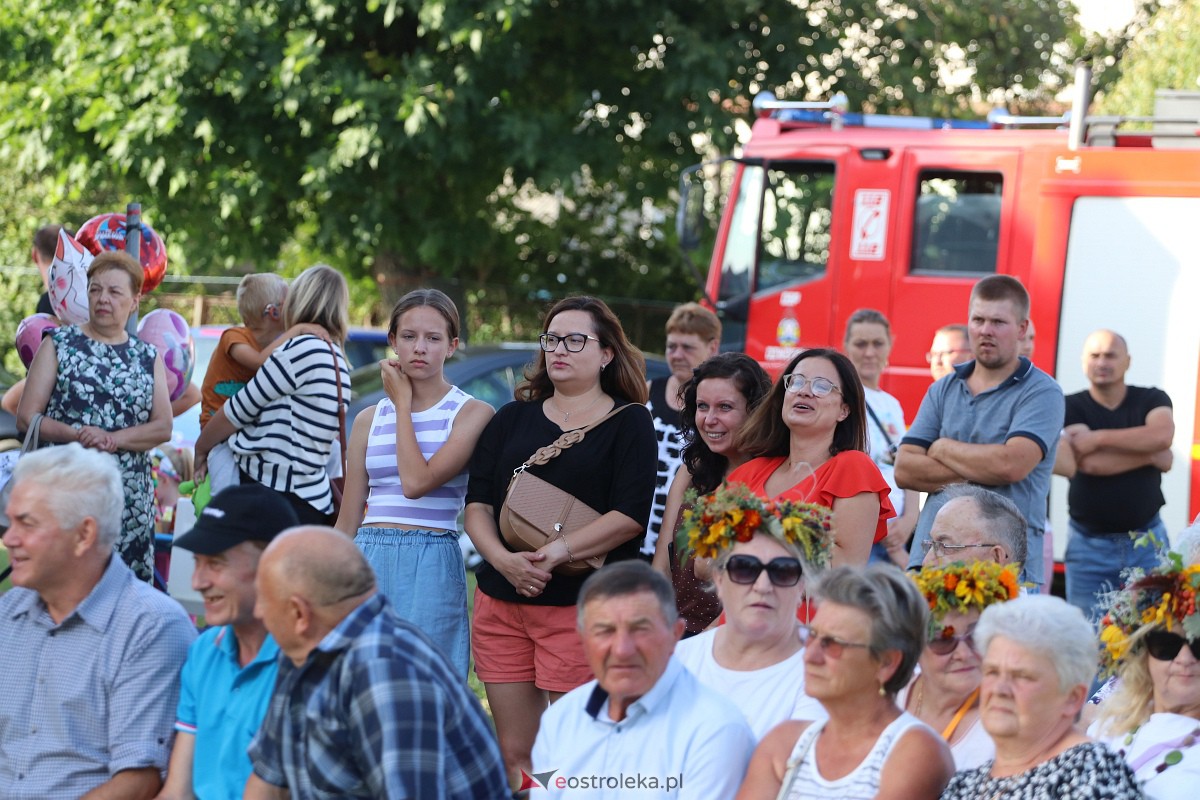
{"type": "Point", "coordinates": [1039, 657]}
{"type": "Point", "coordinates": [945, 693]}
{"type": "Point", "coordinates": [862, 646]}
{"type": "Point", "coordinates": [807, 442]}
{"type": "Point", "coordinates": [1151, 636]}
{"type": "Point", "coordinates": [761, 552]}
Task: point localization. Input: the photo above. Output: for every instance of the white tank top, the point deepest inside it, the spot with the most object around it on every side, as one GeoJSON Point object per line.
{"type": "Point", "coordinates": [863, 781]}
{"type": "Point", "coordinates": [439, 508]}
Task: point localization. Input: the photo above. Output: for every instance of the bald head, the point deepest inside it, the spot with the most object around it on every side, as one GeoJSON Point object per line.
{"type": "Point", "coordinates": [319, 564]}
{"type": "Point", "coordinates": [309, 579]}
{"type": "Point", "coordinates": [1105, 359]}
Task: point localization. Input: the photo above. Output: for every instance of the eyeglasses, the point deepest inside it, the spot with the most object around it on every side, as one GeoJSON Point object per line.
{"type": "Point", "coordinates": [945, 645]}
{"type": "Point", "coordinates": [938, 355]}
{"type": "Point", "coordinates": [1164, 646]}
{"type": "Point", "coordinates": [821, 387]}
{"type": "Point", "coordinates": [782, 571]}
{"type": "Point", "coordinates": [941, 548]}
{"type": "Point", "coordinates": [574, 341]}
{"type": "Point", "coordinates": [830, 645]}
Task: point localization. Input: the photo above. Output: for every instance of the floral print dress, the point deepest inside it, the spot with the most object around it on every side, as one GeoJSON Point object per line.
{"type": "Point", "coordinates": [112, 387]}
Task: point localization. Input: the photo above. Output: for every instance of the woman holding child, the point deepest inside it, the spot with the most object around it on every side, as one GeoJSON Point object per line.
{"type": "Point", "coordinates": [406, 474]}
{"type": "Point", "coordinates": [282, 425]}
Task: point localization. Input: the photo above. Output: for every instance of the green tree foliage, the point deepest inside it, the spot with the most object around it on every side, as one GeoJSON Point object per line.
{"type": "Point", "coordinates": [520, 144]}
{"type": "Point", "coordinates": [1164, 55]}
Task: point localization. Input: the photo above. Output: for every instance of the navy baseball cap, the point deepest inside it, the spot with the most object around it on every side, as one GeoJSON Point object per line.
{"type": "Point", "coordinates": [247, 513]}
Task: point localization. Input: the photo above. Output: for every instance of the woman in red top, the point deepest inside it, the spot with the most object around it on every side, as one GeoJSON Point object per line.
{"type": "Point", "coordinates": [809, 442]}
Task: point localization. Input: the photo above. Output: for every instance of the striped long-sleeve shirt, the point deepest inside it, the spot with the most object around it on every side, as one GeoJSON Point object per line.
{"type": "Point", "coordinates": [287, 419]}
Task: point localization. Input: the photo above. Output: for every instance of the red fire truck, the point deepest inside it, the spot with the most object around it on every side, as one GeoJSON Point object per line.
{"type": "Point", "coordinates": [828, 212]}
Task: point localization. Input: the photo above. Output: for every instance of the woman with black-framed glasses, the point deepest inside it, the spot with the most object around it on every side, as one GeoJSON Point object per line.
{"type": "Point", "coordinates": [524, 635]}
{"type": "Point", "coordinates": [808, 442]}
{"type": "Point", "coordinates": [945, 692]}
{"type": "Point", "coordinates": [1152, 716]}
{"type": "Point", "coordinates": [761, 554]}
{"type": "Point", "coordinates": [862, 645]}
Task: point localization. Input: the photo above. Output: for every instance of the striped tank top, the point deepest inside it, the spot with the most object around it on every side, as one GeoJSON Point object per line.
{"type": "Point", "coordinates": [386, 502]}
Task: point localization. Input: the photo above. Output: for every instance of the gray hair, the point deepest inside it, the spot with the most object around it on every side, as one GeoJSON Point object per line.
{"type": "Point", "coordinates": [94, 481]}
{"type": "Point", "coordinates": [1048, 625]}
{"type": "Point", "coordinates": [899, 614]}
{"type": "Point", "coordinates": [1005, 522]}
{"type": "Point", "coordinates": [624, 578]}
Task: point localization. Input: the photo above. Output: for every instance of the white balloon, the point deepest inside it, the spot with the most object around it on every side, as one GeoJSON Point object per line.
{"type": "Point", "coordinates": [68, 280]}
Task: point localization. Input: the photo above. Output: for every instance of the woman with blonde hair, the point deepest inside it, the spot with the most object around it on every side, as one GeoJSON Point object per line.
{"type": "Point", "coordinates": [283, 426]}
{"type": "Point", "coordinates": [1151, 636]}
{"type": "Point", "coordinates": [524, 636]}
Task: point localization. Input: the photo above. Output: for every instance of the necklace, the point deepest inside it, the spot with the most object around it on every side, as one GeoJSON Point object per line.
{"type": "Point", "coordinates": [566, 415]}
{"type": "Point", "coordinates": [1173, 750]}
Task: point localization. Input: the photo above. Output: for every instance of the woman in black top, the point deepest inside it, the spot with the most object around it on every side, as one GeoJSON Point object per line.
{"type": "Point", "coordinates": [527, 651]}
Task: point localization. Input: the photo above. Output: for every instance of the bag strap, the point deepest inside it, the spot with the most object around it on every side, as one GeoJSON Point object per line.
{"type": "Point", "coordinates": [33, 435]}
{"type": "Point", "coordinates": [337, 378]}
{"type": "Point", "coordinates": [879, 425]}
{"type": "Point", "coordinates": [568, 438]}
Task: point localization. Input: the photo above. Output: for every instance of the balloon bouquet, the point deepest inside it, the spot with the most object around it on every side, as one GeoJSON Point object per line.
{"type": "Point", "coordinates": [166, 330]}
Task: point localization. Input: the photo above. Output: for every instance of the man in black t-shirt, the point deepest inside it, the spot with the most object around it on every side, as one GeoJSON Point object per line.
{"type": "Point", "coordinates": [1120, 437]}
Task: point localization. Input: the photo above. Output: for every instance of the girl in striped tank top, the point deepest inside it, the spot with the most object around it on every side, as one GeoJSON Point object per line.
{"type": "Point", "coordinates": [406, 474]}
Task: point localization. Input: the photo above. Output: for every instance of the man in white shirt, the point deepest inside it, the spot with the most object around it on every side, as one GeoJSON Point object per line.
{"type": "Point", "coordinates": [645, 727]}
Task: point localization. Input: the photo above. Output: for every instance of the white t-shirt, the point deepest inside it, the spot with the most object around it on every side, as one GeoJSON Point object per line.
{"type": "Point", "coordinates": [891, 419]}
{"type": "Point", "coordinates": [1160, 734]}
{"type": "Point", "coordinates": [765, 696]}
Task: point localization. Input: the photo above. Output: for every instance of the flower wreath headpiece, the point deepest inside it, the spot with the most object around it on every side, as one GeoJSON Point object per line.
{"type": "Point", "coordinates": [1164, 596]}
{"type": "Point", "coordinates": [964, 587]}
{"type": "Point", "coordinates": [734, 514]}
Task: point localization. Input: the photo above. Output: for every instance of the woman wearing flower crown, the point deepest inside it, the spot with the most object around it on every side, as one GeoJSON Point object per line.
{"type": "Point", "coordinates": [761, 552]}
{"type": "Point", "coordinates": [945, 694]}
{"type": "Point", "coordinates": [717, 400]}
{"type": "Point", "coordinates": [808, 441]}
{"type": "Point", "coordinates": [1151, 637]}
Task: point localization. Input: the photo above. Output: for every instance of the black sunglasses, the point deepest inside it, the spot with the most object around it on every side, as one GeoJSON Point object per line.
{"type": "Point", "coordinates": [1164, 646]}
{"type": "Point", "coordinates": [782, 571]}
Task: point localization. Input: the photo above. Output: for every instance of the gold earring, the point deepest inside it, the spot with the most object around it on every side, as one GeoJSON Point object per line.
{"type": "Point", "coordinates": [882, 693]}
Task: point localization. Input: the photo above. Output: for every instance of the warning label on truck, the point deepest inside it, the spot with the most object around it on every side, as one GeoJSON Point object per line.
{"type": "Point", "coordinates": [869, 240]}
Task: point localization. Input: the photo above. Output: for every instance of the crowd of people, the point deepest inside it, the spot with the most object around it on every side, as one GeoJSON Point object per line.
{"type": "Point", "coordinates": [773, 646]}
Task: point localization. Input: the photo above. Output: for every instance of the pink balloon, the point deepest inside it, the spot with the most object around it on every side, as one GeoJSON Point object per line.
{"type": "Point", "coordinates": [171, 337]}
{"type": "Point", "coordinates": [29, 335]}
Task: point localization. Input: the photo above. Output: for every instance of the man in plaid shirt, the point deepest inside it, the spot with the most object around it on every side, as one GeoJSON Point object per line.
{"type": "Point", "coordinates": [365, 705]}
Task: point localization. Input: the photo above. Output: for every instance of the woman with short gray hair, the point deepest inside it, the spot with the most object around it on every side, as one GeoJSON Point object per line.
{"type": "Point", "coordinates": [1039, 657]}
{"type": "Point", "coordinates": [862, 645]}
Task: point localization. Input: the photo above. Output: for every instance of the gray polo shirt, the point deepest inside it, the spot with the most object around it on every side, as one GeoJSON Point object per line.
{"type": "Point", "coordinates": [1028, 403]}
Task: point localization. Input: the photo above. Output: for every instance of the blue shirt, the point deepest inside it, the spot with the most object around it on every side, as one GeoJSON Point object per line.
{"type": "Point", "coordinates": [222, 704]}
{"type": "Point", "coordinates": [1027, 403]}
{"type": "Point", "coordinates": [92, 695]}
{"type": "Point", "coordinates": [376, 711]}
{"type": "Point", "coordinates": [679, 741]}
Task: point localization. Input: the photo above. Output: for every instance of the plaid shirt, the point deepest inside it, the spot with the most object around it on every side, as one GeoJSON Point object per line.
{"type": "Point", "coordinates": [377, 712]}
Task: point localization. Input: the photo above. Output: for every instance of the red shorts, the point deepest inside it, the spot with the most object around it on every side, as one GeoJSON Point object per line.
{"type": "Point", "coordinates": [518, 643]}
